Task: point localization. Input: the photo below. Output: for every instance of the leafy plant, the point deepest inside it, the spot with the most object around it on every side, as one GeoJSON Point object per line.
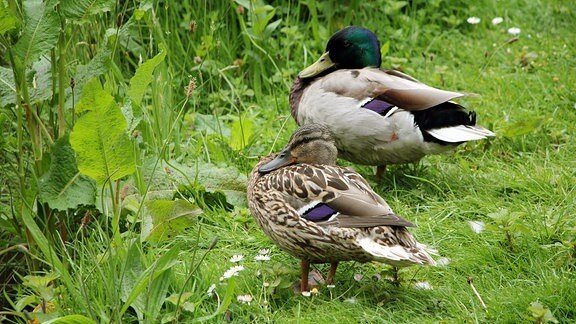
{"type": "Point", "coordinates": [540, 314]}
{"type": "Point", "coordinates": [510, 224]}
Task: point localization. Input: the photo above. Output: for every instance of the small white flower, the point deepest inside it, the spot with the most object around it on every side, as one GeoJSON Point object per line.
{"type": "Point", "coordinates": [473, 20]}
{"type": "Point", "coordinates": [358, 276]}
{"type": "Point", "coordinates": [244, 299]}
{"type": "Point", "coordinates": [262, 257]}
{"type": "Point", "coordinates": [210, 291]}
{"type": "Point", "coordinates": [306, 294]}
{"type": "Point", "coordinates": [424, 285]}
{"type": "Point", "coordinates": [443, 261]}
{"type": "Point", "coordinates": [264, 251]}
{"type": "Point", "coordinates": [232, 272]}
{"type": "Point", "coordinates": [497, 21]}
{"type": "Point", "coordinates": [514, 31]}
{"type": "Point", "coordinates": [477, 226]}
{"type": "Point", "coordinates": [236, 258]}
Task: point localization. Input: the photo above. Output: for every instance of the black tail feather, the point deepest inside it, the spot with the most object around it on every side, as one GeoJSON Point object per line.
{"type": "Point", "coordinates": [443, 115]}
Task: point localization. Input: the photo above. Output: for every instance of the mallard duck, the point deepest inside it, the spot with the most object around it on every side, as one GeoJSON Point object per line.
{"type": "Point", "coordinates": [378, 116]}
{"type": "Point", "coordinates": [323, 213]}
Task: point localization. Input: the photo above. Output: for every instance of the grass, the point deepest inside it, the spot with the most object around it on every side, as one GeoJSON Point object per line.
{"type": "Point", "coordinates": [143, 252]}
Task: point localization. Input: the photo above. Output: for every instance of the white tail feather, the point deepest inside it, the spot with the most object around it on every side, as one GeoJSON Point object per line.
{"type": "Point", "coordinates": [397, 253]}
{"type": "Point", "coordinates": [460, 133]}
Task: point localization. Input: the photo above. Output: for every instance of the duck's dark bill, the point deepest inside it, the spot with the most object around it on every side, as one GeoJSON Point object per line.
{"type": "Point", "coordinates": [283, 159]}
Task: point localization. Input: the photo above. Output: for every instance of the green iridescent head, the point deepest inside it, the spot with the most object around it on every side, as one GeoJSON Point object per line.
{"type": "Point", "coordinates": [353, 47]}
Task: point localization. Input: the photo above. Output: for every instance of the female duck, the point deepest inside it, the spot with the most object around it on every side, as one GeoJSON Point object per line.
{"type": "Point", "coordinates": [377, 116]}
{"type": "Point", "coordinates": [323, 213]}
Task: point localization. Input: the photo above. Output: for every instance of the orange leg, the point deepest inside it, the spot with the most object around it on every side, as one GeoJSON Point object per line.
{"type": "Point", "coordinates": [304, 270]}
{"type": "Point", "coordinates": [332, 273]}
{"type": "Point", "coordinates": [380, 171]}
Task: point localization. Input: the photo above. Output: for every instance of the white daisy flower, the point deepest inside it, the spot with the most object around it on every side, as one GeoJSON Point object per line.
{"type": "Point", "coordinates": [497, 21]}
{"type": "Point", "coordinates": [232, 272]}
{"type": "Point", "coordinates": [262, 257]}
{"type": "Point", "coordinates": [236, 258]}
{"type": "Point", "coordinates": [514, 31]}
{"type": "Point", "coordinates": [477, 226]}
{"type": "Point", "coordinates": [210, 291]}
{"type": "Point", "coordinates": [424, 285]}
{"type": "Point", "coordinates": [473, 20]}
{"type": "Point", "coordinates": [264, 251]}
{"type": "Point", "coordinates": [244, 299]}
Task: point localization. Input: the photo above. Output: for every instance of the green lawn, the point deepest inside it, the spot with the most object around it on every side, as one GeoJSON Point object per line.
{"type": "Point", "coordinates": [128, 131]}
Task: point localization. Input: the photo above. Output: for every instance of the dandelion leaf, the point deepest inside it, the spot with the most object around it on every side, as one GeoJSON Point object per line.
{"type": "Point", "coordinates": [63, 187]}
{"type": "Point", "coordinates": [143, 77]}
{"type": "Point", "coordinates": [165, 219]}
{"type": "Point", "coordinates": [40, 32]}
{"type": "Point", "coordinates": [104, 150]}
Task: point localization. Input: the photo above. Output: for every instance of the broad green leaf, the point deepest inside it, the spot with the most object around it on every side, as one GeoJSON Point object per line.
{"type": "Point", "coordinates": [133, 115]}
{"type": "Point", "coordinates": [104, 150]}
{"type": "Point", "coordinates": [63, 187]}
{"type": "Point", "coordinates": [242, 129]}
{"type": "Point", "coordinates": [165, 219]}
{"type": "Point", "coordinates": [26, 301]}
{"type": "Point", "coordinates": [82, 8]}
{"type": "Point", "coordinates": [41, 74]}
{"type": "Point", "coordinates": [205, 199]}
{"type": "Point", "coordinates": [169, 176]}
{"type": "Point", "coordinates": [39, 281]}
{"type": "Point", "coordinates": [7, 87]}
{"type": "Point", "coordinates": [8, 19]}
{"type": "Point", "coordinates": [177, 299]}
{"type": "Point", "coordinates": [97, 66]}
{"type": "Point", "coordinates": [41, 30]}
{"type": "Point", "coordinates": [143, 77]}
{"type": "Point", "coordinates": [71, 319]}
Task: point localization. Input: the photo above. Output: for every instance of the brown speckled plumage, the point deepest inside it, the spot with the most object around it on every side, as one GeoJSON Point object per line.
{"type": "Point", "coordinates": [366, 229]}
